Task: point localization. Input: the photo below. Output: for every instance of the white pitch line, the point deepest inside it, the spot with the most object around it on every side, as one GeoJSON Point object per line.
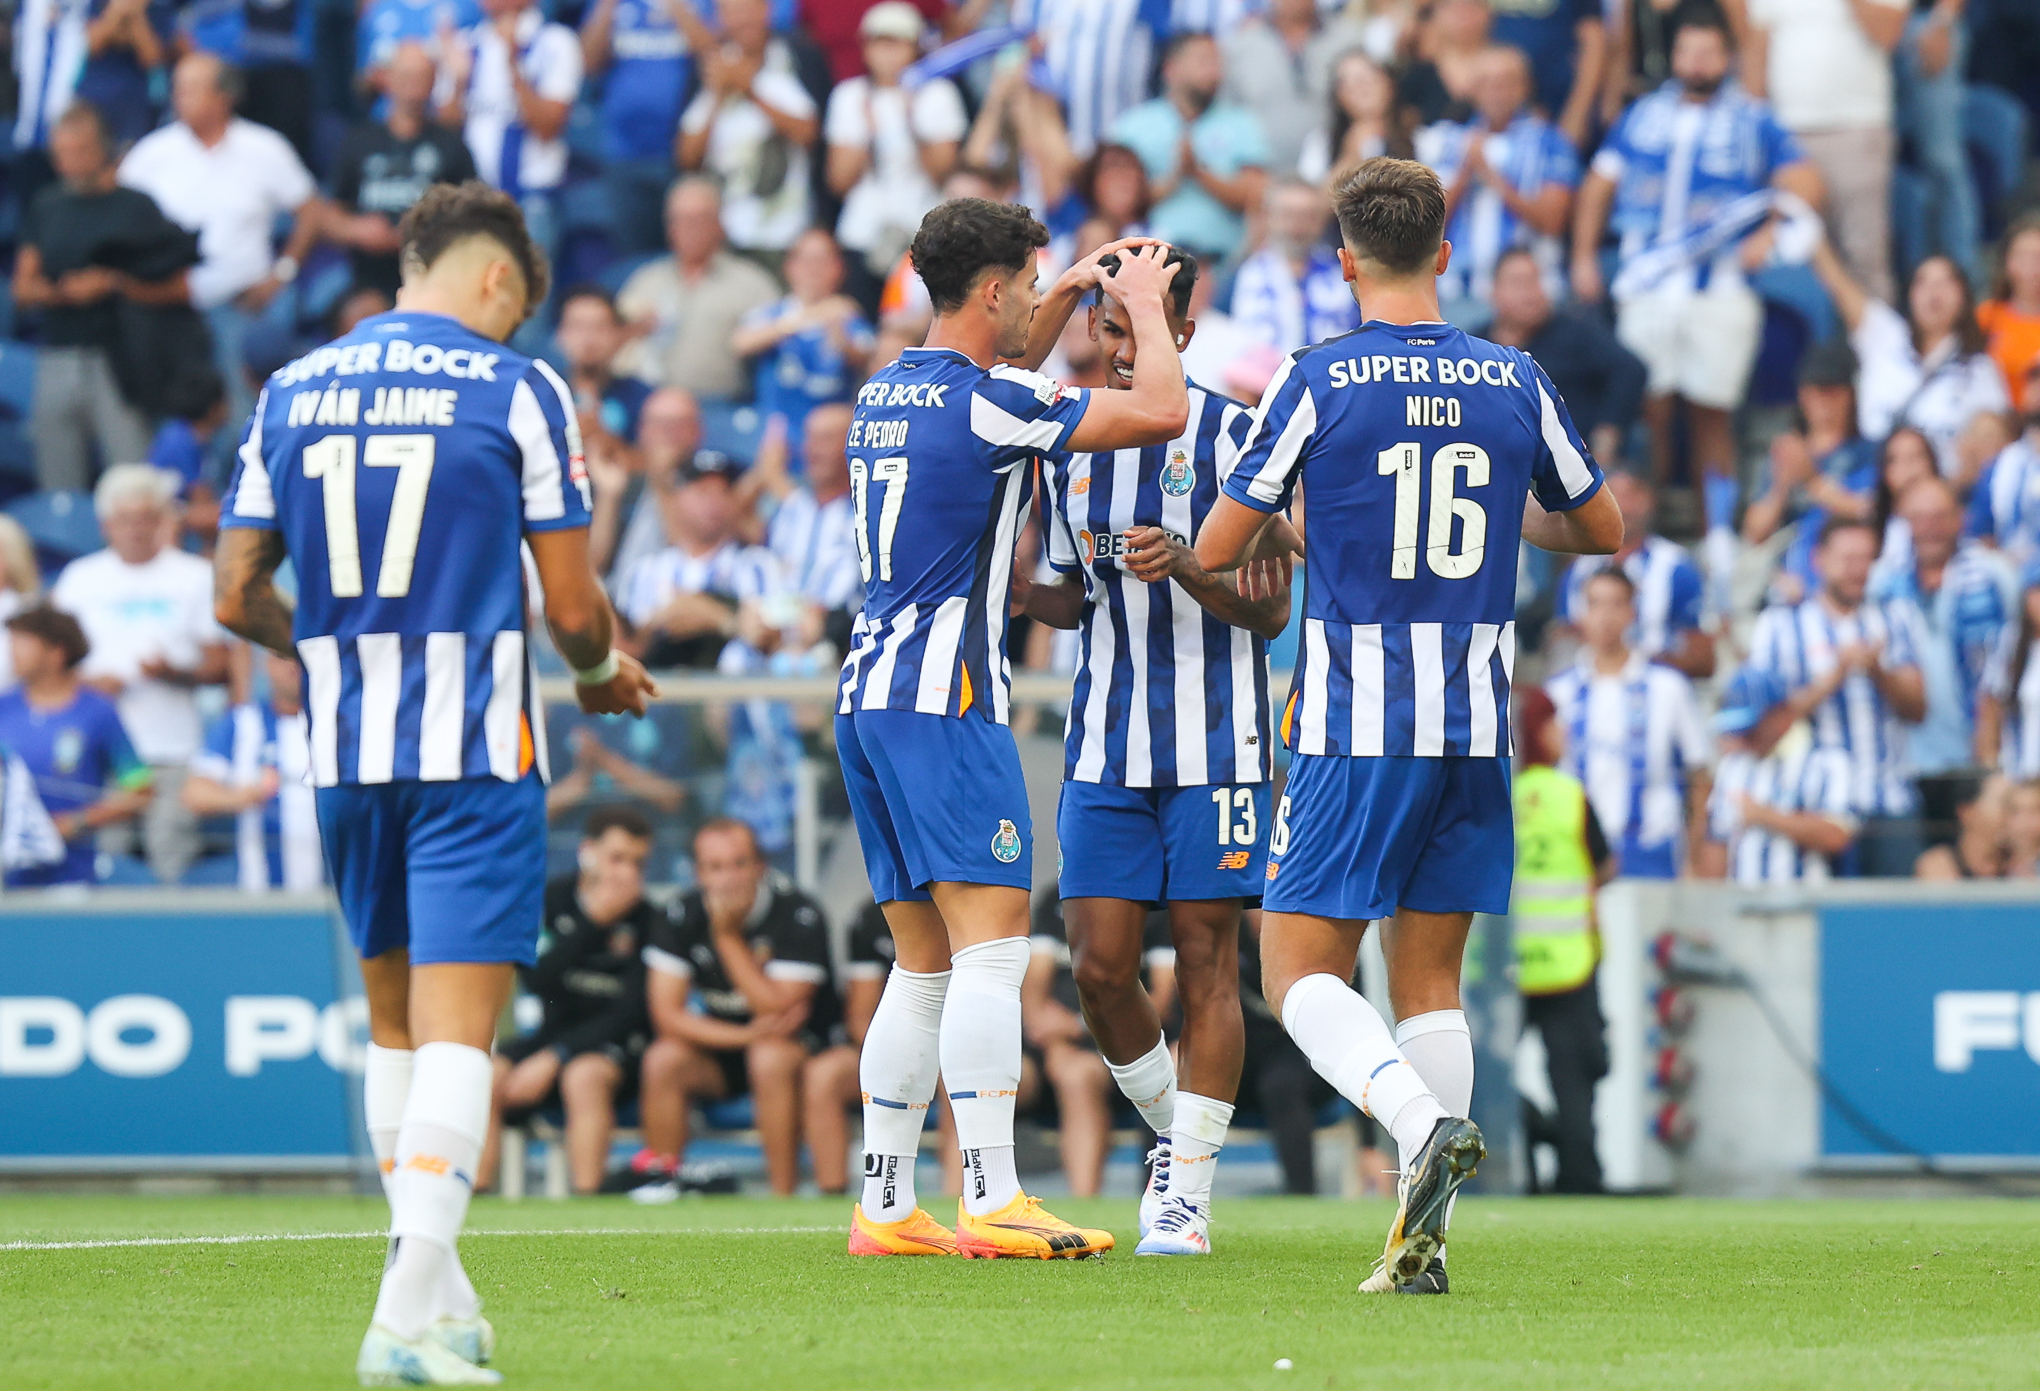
{"type": "Point", "coordinates": [246, 1239]}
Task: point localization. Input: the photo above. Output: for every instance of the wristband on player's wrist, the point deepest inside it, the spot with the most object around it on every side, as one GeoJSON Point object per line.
{"type": "Point", "coordinates": [601, 674]}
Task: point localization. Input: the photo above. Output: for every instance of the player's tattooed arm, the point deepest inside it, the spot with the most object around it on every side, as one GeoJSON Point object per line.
{"type": "Point", "coordinates": [245, 597]}
{"type": "Point", "coordinates": [1255, 597]}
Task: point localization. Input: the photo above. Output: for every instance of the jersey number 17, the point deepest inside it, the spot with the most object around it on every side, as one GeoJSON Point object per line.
{"type": "Point", "coordinates": [331, 460]}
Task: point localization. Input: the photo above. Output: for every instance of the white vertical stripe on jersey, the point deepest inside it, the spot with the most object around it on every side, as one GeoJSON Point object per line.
{"type": "Point", "coordinates": [1282, 458]}
{"type": "Point", "coordinates": [938, 657]}
{"type": "Point", "coordinates": [499, 716]}
{"type": "Point", "coordinates": [1573, 471]}
{"type": "Point", "coordinates": [1506, 645]}
{"type": "Point", "coordinates": [381, 656]}
{"type": "Point", "coordinates": [321, 656]}
{"type": "Point", "coordinates": [1091, 755]}
{"type": "Point", "coordinates": [1317, 661]}
{"type": "Point", "coordinates": [543, 500]}
{"type": "Point", "coordinates": [573, 428]}
{"type": "Point", "coordinates": [863, 642]}
{"type": "Point", "coordinates": [878, 682]}
{"type": "Point", "coordinates": [1370, 708]}
{"type": "Point", "coordinates": [1140, 751]}
{"type": "Point", "coordinates": [442, 725]}
{"type": "Point", "coordinates": [534, 711]}
{"type": "Point", "coordinates": [1480, 690]}
{"type": "Point", "coordinates": [255, 497]}
{"type": "Point", "coordinates": [997, 426]}
{"type": "Point", "coordinates": [1427, 663]}
{"type": "Point", "coordinates": [1186, 621]}
{"type": "Point", "coordinates": [1000, 578]}
{"type": "Point", "coordinates": [1246, 705]}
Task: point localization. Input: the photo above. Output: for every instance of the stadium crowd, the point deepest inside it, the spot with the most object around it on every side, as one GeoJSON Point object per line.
{"type": "Point", "coordinates": [1772, 253]}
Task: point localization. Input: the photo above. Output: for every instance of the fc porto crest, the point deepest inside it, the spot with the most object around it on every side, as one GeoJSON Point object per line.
{"type": "Point", "coordinates": [1006, 844]}
{"type": "Point", "coordinates": [1178, 476]}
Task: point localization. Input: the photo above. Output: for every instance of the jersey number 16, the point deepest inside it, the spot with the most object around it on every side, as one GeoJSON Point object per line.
{"type": "Point", "coordinates": [1401, 461]}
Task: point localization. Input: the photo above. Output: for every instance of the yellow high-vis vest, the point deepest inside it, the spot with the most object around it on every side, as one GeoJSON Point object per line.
{"type": "Point", "coordinates": [1552, 905]}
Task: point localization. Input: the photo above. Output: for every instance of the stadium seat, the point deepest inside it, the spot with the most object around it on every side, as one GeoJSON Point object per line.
{"type": "Point", "coordinates": [17, 378]}
{"type": "Point", "coordinates": [60, 522]}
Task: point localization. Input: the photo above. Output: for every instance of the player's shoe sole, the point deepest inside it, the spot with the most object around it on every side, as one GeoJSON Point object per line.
{"type": "Point", "coordinates": [471, 1340]}
{"type": "Point", "coordinates": [387, 1360]}
{"type": "Point", "coordinates": [1448, 1159]}
{"type": "Point", "coordinates": [1431, 1281]}
{"type": "Point", "coordinates": [1023, 1229]}
{"type": "Point", "coordinates": [916, 1234]}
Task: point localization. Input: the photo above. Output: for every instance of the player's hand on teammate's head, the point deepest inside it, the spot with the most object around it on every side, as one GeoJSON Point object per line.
{"type": "Point", "coordinates": [1142, 277]}
{"type": "Point", "coordinates": [1085, 275]}
{"type": "Point", "coordinates": [625, 693]}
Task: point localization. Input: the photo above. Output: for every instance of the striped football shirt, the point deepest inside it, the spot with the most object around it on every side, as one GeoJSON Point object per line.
{"type": "Point", "coordinates": [403, 465]}
{"type": "Point", "coordinates": [1166, 694]}
{"type": "Point", "coordinates": [1415, 446]}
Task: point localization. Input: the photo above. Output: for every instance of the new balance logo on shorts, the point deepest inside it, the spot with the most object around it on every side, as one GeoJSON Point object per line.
{"type": "Point", "coordinates": [1235, 859]}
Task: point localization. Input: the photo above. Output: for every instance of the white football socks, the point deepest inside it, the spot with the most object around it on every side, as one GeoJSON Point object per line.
{"type": "Point", "coordinates": [896, 1073]}
{"type": "Point", "coordinates": [1350, 1046]}
{"type": "Point", "coordinates": [385, 1089]}
{"type": "Point", "coordinates": [1199, 1135]}
{"type": "Point", "coordinates": [980, 1051]}
{"type": "Point", "coordinates": [385, 1085]}
{"type": "Point", "coordinates": [445, 1119]}
{"type": "Point", "coordinates": [1439, 1046]}
{"type": "Point", "coordinates": [1149, 1082]}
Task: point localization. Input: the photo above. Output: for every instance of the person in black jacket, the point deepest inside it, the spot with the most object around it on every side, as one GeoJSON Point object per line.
{"type": "Point", "coordinates": [1602, 381]}
{"type": "Point", "coordinates": [590, 978]}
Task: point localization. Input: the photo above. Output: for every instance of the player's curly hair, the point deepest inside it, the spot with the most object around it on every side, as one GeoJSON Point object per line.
{"type": "Point", "coordinates": [1180, 289]}
{"type": "Point", "coordinates": [449, 214]}
{"type": "Point", "coordinates": [964, 239]}
{"type": "Point", "coordinates": [1391, 212]}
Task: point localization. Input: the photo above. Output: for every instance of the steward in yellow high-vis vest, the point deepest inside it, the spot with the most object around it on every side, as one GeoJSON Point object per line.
{"type": "Point", "coordinates": [1561, 858]}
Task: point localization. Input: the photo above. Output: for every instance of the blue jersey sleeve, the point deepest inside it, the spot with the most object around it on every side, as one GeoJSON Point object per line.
{"type": "Point", "coordinates": [548, 435]}
{"type": "Point", "coordinates": [1016, 414]}
{"type": "Point", "coordinates": [1278, 437]}
{"type": "Point", "coordinates": [1688, 590]}
{"type": "Point", "coordinates": [1563, 475]}
{"type": "Point", "coordinates": [250, 500]}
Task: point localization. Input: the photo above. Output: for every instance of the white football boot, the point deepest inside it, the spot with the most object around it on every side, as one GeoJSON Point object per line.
{"type": "Point", "coordinates": [1157, 1185]}
{"type": "Point", "coordinates": [471, 1340]}
{"type": "Point", "coordinates": [387, 1360]}
{"type": "Point", "coordinates": [1181, 1228]}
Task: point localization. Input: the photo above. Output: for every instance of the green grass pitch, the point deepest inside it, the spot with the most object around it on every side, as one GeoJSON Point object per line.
{"type": "Point", "coordinates": [736, 1293]}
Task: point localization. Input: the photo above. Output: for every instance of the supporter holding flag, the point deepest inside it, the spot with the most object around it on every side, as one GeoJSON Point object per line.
{"type": "Point", "coordinates": [81, 770]}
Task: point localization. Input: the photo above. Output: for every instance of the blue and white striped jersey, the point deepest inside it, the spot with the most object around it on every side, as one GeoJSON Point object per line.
{"type": "Point", "coordinates": [1287, 311]}
{"type": "Point", "coordinates": [1959, 626]}
{"type": "Point", "coordinates": [1415, 445]}
{"type": "Point", "coordinates": [1166, 695]}
{"type": "Point", "coordinates": [276, 844]}
{"type": "Point", "coordinates": [2005, 508]}
{"type": "Point", "coordinates": [1098, 54]}
{"type": "Point", "coordinates": [2014, 679]}
{"type": "Point", "coordinates": [1796, 776]}
{"type": "Point", "coordinates": [403, 465]}
{"type": "Point", "coordinates": [1669, 592]}
{"type": "Point", "coordinates": [1530, 154]}
{"type": "Point", "coordinates": [1797, 643]}
{"type": "Point", "coordinates": [941, 464]}
{"type": "Point", "coordinates": [1633, 740]}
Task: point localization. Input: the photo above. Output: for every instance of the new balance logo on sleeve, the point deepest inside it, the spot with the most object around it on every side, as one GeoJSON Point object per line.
{"type": "Point", "coordinates": [404, 510]}
{"type": "Point", "coordinates": [1416, 446]}
{"type": "Point", "coordinates": [941, 457]}
{"type": "Point", "coordinates": [1166, 695]}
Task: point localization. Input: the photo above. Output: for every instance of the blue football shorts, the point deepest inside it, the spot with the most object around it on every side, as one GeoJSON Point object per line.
{"type": "Point", "coordinates": [938, 799]}
{"type": "Point", "coordinates": [453, 870]}
{"type": "Point", "coordinates": [1159, 845]}
{"type": "Point", "coordinates": [1361, 837]}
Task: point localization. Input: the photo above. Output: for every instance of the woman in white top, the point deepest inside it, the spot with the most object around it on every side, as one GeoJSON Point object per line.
{"type": "Point", "coordinates": [1927, 368]}
{"type": "Point", "coordinates": [1905, 458]}
{"type": "Point", "coordinates": [1363, 121]}
{"type": "Point", "coordinates": [2008, 705]}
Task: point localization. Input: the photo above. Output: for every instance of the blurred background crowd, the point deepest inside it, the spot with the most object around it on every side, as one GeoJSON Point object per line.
{"type": "Point", "coordinates": [1776, 255]}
